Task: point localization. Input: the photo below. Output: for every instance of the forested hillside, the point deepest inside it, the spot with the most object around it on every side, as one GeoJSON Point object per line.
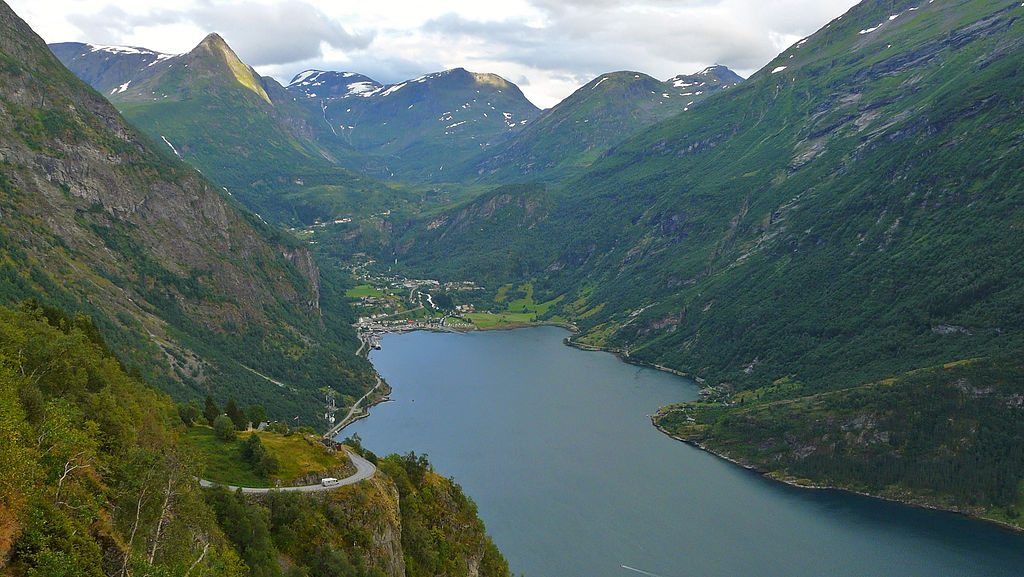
{"type": "Point", "coordinates": [945, 436]}
{"type": "Point", "coordinates": [193, 292]}
{"type": "Point", "coordinates": [93, 481]}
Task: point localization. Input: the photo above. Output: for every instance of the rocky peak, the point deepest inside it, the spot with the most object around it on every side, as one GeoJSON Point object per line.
{"type": "Point", "coordinates": [215, 51]}
{"type": "Point", "coordinates": [717, 77]}
{"type": "Point", "coordinates": [213, 41]}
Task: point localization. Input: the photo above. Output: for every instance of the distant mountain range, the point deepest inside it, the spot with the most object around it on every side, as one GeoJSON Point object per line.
{"type": "Point", "coordinates": [421, 127]}
{"type": "Point", "coordinates": [261, 140]}
{"type": "Point", "coordinates": [485, 126]}
{"type": "Point", "coordinates": [108, 69]}
{"type": "Point", "coordinates": [328, 85]}
{"type": "Point", "coordinates": [606, 111]}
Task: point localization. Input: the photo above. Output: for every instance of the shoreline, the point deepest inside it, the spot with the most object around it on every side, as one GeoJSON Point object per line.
{"type": "Point", "coordinates": [364, 413]}
{"type": "Point", "coordinates": [624, 357]}
{"type": "Point", "coordinates": [516, 326]}
{"type": "Point", "coordinates": [816, 487]}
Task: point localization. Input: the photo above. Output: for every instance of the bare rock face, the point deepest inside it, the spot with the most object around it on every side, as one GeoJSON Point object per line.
{"type": "Point", "coordinates": [388, 536]}
{"type": "Point", "coordinates": [303, 261]}
{"type": "Point", "coordinates": [372, 508]}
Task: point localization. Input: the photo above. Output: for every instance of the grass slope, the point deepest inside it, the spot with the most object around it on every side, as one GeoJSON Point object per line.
{"type": "Point", "coordinates": [300, 458]}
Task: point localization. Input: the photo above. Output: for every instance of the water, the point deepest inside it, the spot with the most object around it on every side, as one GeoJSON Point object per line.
{"type": "Point", "coordinates": [556, 447]}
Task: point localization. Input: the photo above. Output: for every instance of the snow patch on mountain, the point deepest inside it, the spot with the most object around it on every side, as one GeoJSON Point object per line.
{"type": "Point", "coordinates": [320, 83]}
{"type": "Point", "coordinates": [359, 88]}
{"type": "Point", "coordinates": [124, 50]}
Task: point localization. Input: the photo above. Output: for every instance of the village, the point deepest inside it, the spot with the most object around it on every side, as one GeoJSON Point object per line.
{"type": "Point", "coordinates": [393, 303]}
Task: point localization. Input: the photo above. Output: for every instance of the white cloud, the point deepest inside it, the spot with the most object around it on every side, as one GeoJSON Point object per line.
{"type": "Point", "coordinates": [555, 45]}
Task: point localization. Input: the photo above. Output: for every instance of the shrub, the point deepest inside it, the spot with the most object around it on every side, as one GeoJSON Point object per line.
{"type": "Point", "coordinates": [224, 428]}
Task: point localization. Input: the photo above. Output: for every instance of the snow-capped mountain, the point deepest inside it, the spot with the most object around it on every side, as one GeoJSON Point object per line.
{"type": "Point", "coordinates": [421, 125]}
{"type": "Point", "coordinates": [326, 84]}
{"type": "Point", "coordinates": [108, 69]}
{"type": "Point", "coordinates": [710, 79]}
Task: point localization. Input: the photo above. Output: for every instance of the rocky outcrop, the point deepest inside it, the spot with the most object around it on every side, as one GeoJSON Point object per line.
{"type": "Point", "coordinates": [371, 510]}
{"type": "Point", "coordinates": [303, 261]}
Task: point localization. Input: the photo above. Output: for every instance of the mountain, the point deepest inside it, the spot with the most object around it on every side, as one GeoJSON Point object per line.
{"type": "Point", "coordinates": [193, 292]}
{"type": "Point", "coordinates": [712, 78]}
{"type": "Point", "coordinates": [327, 85]}
{"type": "Point", "coordinates": [197, 294]}
{"type": "Point", "coordinates": [846, 220]}
{"type": "Point", "coordinates": [606, 111]}
{"type": "Point", "coordinates": [415, 129]}
{"type": "Point", "coordinates": [243, 131]}
{"type": "Point", "coordinates": [108, 69]}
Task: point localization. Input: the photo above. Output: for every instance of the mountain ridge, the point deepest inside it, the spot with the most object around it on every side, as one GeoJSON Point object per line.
{"type": "Point", "coordinates": [403, 128]}
{"type": "Point", "coordinates": [243, 131]}
{"type": "Point", "coordinates": [570, 136]}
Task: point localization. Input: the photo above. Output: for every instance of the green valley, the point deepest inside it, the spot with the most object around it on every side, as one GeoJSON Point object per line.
{"type": "Point", "coordinates": [833, 248]}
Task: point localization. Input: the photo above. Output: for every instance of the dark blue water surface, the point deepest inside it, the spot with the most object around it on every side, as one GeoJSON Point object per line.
{"type": "Point", "coordinates": [556, 447]}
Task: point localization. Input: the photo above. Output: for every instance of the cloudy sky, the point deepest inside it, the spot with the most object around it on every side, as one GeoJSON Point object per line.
{"type": "Point", "coordinates": [548, 47]}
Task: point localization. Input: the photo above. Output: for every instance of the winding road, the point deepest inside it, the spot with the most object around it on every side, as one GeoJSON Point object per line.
{"type": "Point", "coordinates": [357, 406]}
{"type": "Point", "coordinates": [364, 470]}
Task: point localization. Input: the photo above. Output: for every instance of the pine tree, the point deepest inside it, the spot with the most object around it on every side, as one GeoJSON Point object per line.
{"type": "Point", "coordinates": [210, 411]}
{"type": "Point", "coordinates": [236, 415]}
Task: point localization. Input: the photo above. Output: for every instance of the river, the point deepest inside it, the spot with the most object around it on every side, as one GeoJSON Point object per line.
{"type": "Point", "coordinates": [556, 447]}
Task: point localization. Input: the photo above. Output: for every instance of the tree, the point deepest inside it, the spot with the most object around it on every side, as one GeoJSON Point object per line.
{"type": "Point", "coordinates": [257, 455]}
{"type": "Point", "coordinates": [253, 448]}
{"type": "Point", "coordinates": [444, 301]}
{"type": "Point", "coordinates": [257, 414]}
{"type": "Point", "coordinates": [190, 412]}
{"type": "Point", "coordinates": [210, 411]}
{"type": "Point", "coordinates": [235, 414]}
{"type": "Point", "coordinates": [268, 465]}
{"type": "Point", "coordinates": [224, 428]}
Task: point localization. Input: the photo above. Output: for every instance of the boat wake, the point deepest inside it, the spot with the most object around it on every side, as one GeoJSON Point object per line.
{"type": "Point", "coordinates": [640, 571]}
